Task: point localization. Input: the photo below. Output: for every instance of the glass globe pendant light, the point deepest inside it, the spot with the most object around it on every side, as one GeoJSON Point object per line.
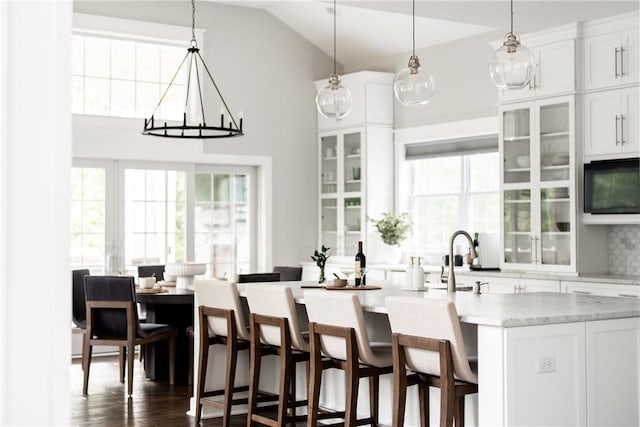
{"type": "Point", "coordinates": [413, 85]}
{"type": "Point", "coordinates": [334, 100]}
{"type": "Point", "coordinates": [512, 65]}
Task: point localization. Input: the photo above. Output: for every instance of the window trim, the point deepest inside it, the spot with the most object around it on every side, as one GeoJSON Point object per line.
{"type": "Point", "coordinates": [130, 29]}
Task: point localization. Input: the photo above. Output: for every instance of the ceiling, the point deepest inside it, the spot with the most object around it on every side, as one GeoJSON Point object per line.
{"type": "Point", "coordinates": [369, 31]}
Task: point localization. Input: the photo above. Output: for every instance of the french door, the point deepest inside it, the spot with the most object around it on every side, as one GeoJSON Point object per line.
{"type": "Point", "coordinates": [126, 213]}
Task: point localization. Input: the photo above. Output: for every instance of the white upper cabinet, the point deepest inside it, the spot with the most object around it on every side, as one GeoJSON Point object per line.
{"type": "Point", "coordinates": [611, 124]}
{"type": "Point", "coordinates": [611, 52]}
{"type": "Point", "coordinates": [555, 55]}
{"type": "Point", "coordinates": [372, 100]}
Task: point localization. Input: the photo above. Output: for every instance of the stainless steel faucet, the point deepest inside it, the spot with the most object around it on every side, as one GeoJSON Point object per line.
{"type": "Point", "coordinates": [451, 281]}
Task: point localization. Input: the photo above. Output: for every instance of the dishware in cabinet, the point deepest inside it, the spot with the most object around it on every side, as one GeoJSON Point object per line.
{"type": "Point", "coordinates": [537, 145]}
{"type": "Point", "coordinates": [356, 181]}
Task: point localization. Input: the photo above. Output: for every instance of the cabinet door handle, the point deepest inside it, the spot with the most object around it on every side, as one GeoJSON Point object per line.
{"type": "Point", "coordinates": [621, 129]}
{"type": "Point", "coordinates": [628, 295]}
{"type": "Point", "coordinates": [621, 61]}
{"type": "Point", "coordinates": [617, 120]}
{"type": "Point", "coordinates": [582, 292]}
{"type": "Point", "coordinates": [616, 62]}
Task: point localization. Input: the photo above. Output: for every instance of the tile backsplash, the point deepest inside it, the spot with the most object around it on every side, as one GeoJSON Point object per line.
{"type": "Point", "coordinates": [624, 249]}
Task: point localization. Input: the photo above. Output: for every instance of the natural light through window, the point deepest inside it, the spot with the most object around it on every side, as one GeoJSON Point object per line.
{"type": "Point", "coordinates": [450, 193]}
{"type": "Point", "coordinates": [88, 222]}
{"type": "Point", "coordinates": [125, 78]}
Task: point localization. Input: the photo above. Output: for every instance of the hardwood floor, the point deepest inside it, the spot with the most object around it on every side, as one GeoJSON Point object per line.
{"type": "Point", "coordinates": [154, 403]}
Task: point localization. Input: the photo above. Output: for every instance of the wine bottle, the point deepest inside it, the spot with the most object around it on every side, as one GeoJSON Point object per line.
{"type": "Point", "coordinates": [361, 264]}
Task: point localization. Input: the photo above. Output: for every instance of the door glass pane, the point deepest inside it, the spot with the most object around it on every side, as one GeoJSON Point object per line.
{"type": "Point", "coordinates": [517, 226]}
{"type": "Point", "coordinates": [222, 223]}
{"type": "Point", "coordinates": [88, 219]}
{"type": "Point", "coordinates": [517, 153]}
{"type": "Point", "coordinates": [554, 142]}
{"type": "Point", "coordinates": [352, 162]}
{"type": "Point", "coordinates": [329, 223]}
{"type": "Point", "coordinates": [556, 226]}
{"type": "Point", "coordinates": [154, 217]}
{"type": "Point", "coordinates": [352, 224]}
{"type": "Point", "coordinates": [329, 154]}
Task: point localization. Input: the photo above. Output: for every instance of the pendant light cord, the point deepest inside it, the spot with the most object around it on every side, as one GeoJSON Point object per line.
{"type": "Point", "coordinates": [511, 16]}
{"type": "Point", "coordinates": [334, 36]}
{"type": "Point", "coordinates": [414, 27]}
{"type": "Point", "coordinates": [193, 20]}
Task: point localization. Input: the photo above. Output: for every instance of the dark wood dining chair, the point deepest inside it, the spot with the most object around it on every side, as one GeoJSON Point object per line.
{"type": "Point", "coordinates": [78, 306]}
{"type": "Point", "coordinates": [112, 320]}
{"type": "Point", "coordinates": [258, 277]}
{"type": "Point", "coordinates": [156, 271]}
{"type": "Point", "coordinates": [289, 274]}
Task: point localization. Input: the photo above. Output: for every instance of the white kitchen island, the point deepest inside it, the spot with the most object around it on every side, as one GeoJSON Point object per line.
{"type": "Point", "coordinates": [543, 358]}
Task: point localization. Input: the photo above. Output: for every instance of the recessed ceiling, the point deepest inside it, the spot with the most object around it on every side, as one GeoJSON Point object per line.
{"type": "Point", "coordinates": [368, 31]}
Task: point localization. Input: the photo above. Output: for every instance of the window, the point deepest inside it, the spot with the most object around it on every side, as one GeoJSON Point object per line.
{"type": "Point", "coordinates": [124, 214]}
{"type": "Point", "coordinates": [124, 77]}
{"type": "Point", "coordinates": [88, 218]}
{"type": "Point", "coordinates": [459, 191]}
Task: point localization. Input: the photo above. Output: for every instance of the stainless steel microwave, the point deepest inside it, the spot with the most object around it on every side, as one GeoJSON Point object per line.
{"type": "Point", "coordinates": [612, 187]}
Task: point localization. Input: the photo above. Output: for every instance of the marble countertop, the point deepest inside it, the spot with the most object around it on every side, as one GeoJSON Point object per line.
{"type": "Point", "coordinates": [586, 277]}
{"type": "Point", "coordinates": [503, 310]}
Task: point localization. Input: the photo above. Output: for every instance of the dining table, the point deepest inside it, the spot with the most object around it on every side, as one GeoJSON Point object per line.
{"type": "Point", "coordinates": [173, 307]}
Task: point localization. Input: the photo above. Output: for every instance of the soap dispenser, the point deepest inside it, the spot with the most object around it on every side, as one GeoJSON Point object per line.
{"type": "Point", "coordinates": [418, 274]}
{"type": "Point", "coordinates": [409, 272]}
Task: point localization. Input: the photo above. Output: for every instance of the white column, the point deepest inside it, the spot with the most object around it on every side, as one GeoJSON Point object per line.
{"type": "Point", "coordinates": [35, 160]}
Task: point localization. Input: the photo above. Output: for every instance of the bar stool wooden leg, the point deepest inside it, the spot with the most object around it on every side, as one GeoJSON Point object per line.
{"type": "Point", "coordinates": [399, 396]}
{"type": "Point", "coordinates": [292, 392]}
{"type": "Point", "coordinates": [352, 381]}
{"type": "Point", "coordinates": [254, 376]}
{"type": "Point", "coordinates": [285, 384]}
{"type": "Point", "coordinates": [374, 387]}
{"type": "Point", "coordinates": [460, 412]}
{"type": "Point", "coordinates": [202, 372]}
{"type": "Point", "coordinates": [315, 377]}
{"type": "Point", "coordinates": [423, 395]}
{"type": "Point", "coordinates": [232, 359]}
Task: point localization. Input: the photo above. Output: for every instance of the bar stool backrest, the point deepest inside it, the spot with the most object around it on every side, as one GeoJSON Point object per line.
{"type": "Point", "coordinates": [222, 294]}
{"type": "Point", "coordinates": [430, 318]}
{"type": "Point", "coordinates": [276, 301]}
{"type": "Point", "coordinates": [343, 310]}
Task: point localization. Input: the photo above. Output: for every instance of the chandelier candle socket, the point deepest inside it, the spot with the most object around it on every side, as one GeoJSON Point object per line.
{"type": "Point", "coordinates": [334, 100]}
{"type": "Point", "coordinates": [413, 85]}
{"type": "Point", "coordinates": [512, 65]}
{"type": "Point", "coordinates": [194, 124]}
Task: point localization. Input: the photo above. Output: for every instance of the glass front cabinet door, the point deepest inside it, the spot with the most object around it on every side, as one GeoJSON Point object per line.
{"type": "Point", "coordinates": [537, 144]}
{"type": "Point", "coordinates": [341, 190]}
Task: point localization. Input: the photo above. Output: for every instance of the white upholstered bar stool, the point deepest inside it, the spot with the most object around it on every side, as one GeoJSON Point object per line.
{"type": "Point", "coordinates": [338, 332]}
{"type": "Point", "coordinates": [427, 339]}
{"type": "Point", "coordinates": [222, 320]}
{"type": "Point", "coordinates": [275, 330]}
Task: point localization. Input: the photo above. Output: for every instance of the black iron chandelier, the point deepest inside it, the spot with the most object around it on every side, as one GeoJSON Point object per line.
{"type": "Point", "coordinates": [194, 125]}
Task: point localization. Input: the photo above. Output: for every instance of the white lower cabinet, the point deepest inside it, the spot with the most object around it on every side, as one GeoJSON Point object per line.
{"type": "Point", "coordinates": [611, 375]}
{"type": "Point", "coordinates": [506, 285]}
{"type": "Point", "coordinates": [603, 289]}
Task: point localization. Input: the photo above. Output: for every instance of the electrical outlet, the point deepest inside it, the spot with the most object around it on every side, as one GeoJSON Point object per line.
{"type": "Point", "coordinates": [546, 364]}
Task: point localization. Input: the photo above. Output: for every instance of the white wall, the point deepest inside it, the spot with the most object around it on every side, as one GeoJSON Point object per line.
{"type": "Point", "coordinates": [267, 71]}
{"type": "Point", "coordinates": [460, 70]}
{"type": "Point", "coordinates": [35, 159]}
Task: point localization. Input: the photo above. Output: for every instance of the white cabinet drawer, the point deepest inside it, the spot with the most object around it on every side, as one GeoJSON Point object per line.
{"type": "Point", "coordinates": [603, 289]}
{"type": "Point", "coordinates": [537, 285]}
